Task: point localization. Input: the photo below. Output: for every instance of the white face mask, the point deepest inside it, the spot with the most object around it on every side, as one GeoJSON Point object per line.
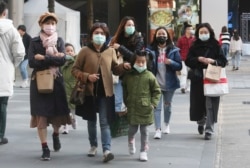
{"type": "Point", "coordinates": [49, 29]}
{"type": "Point", "coordinates": [140, 69]}
{"type": "Point", "coordinates": [204, 37]}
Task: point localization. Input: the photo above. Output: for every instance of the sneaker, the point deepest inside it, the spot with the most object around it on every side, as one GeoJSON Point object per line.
{"type": "Point", "coordinates": [65, 129]}
{"type": "Point", "coordinates": [92, 151]}
{"type": "Point", "coordinates": [208, 136]}
{"type": "Point", "coordinates": [157, 134]}
{"type": "Point", "coordinates": [74, 123]}
{"type": "Point", "coordinates": [3, 141]}
{"type": "Point", "coordinates": [24, 84]}
{"type": "Point", "coordinates": [167, 129]}
{"type": "Point", "coordinates": [201, 129]}
{"type": "Point", "coordinates": [143, 156]}
{"type": "Point", "coordinates": [46, 154]}
{"type": "Point", "coordinates": [183, 90]}
{"type": "Point", "coordinates": [107, 156]}
{"type": "Point", "coordinates": [237, 68]}
{"type": "Point", "coordinates": [131, 148]}
{"type": "Point", "coordinates": [56, 143]}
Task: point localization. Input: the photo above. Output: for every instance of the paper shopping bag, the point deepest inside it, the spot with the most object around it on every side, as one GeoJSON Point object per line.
{"type": "Point", "coordinates": [214, 89]}
{"type": "Point", "coordinates": [213, 73]}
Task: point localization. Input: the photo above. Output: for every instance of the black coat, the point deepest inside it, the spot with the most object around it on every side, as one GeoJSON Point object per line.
{"type": "Point", "coordinates": [55, 103]}
{"type": "Point", "coordinates": [210, 49]}
{"type": "Point", "coordinates": [26, 42]}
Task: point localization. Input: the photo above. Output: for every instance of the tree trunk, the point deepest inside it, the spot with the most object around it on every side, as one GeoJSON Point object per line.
{"type": "Point", "coordinates": [90, 13]}
{"type": "Point", "coordinates": [51, 6]}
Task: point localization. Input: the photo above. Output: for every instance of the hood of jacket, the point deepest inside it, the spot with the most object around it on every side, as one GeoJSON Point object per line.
{"type": "Point", "coordinates": [5, 25]}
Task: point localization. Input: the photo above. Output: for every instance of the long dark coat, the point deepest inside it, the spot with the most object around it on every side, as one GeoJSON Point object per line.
{"type": "Point", "coordinates": [52, 104]}
{"type": "Point", "coordinates": [210, 49]}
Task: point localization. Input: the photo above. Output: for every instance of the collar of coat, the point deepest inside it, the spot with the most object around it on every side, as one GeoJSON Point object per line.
{"type": "Point", "coordinates": [104, 47]}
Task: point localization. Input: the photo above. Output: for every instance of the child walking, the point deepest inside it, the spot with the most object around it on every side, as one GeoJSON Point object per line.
{"type": "Point", "coordinates": [69, 82]}
{"type": "Point", "coordinates": [141, 93]}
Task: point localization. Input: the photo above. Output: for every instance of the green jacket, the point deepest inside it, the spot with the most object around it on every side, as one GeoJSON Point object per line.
{"type": "Point", "coordinates": [141, 93]}
{"type": "Point", "coordinates": [69, 79]}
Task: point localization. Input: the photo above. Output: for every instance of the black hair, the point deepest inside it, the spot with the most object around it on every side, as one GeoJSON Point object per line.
{"type": "Point", "coordinates": [3, 7]}
{"type": "Point", "coordinates": [69, 44]}
{"type": "Point", "coordinates": [101, 25]}
{"type": "Point", "coordinates": [21, 27]}
{"type": "Point", "coordinates": [144, 53]}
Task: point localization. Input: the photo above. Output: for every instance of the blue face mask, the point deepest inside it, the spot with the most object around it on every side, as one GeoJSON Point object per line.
{"type": "Point", "coordinates": [140, 69]}
{"type": "Point", "coordinates": [204, 37]}
{"type": "Point", "coordinates": [99, 39]}
{"type": "Point", "coordinates": [130, 30]}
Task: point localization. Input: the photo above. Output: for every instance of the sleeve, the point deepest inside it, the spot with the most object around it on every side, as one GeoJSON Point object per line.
{"type": "Point", "coordinates": [155, 91]}
{"type": "Point", "coordinates": [17, 48]}
{"type": "Point", "coordinates": [49, 60]}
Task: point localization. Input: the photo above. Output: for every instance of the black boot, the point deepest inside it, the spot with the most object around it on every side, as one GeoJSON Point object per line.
{"type": "Point", "coordinates": [201, 129]}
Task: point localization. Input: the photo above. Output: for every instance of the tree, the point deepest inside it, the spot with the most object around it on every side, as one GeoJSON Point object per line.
{"type": "Point", "coordinates": [90, 13]}
{"type": "Point", "coordinates": [51, 6]}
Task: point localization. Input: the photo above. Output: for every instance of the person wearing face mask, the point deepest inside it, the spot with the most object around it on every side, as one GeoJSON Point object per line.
{"type": "Point", "coordinates": [47, 52]}
{"type": "Point", "coordinates": [205, 50]}
{"type": "Point", "coordinates": [167, 61]}
{"type": "Point", "coordinates": [140, 101]}
{"type": "Point", "coordinates": [125, 41]}
{"type": "Point", "coordinates": [184, 43]}
{"type": "Point", "coordinates": [94, 66]}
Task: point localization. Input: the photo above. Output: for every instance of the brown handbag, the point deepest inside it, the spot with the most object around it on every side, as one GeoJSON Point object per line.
{"type": "Point", "coordinates": [77, 96]}
{"type": "Point", "coordinates": [45, 81]}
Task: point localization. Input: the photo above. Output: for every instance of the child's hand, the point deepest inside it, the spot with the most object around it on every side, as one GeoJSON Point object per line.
{"type": "Point", "coordinates": [126, 66]}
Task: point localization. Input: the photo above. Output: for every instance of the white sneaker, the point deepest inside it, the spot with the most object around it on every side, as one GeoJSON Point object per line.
{"type": "Point", "coordinates": [167, 129]}
{"type": "Point", "coordinates": [25, 84]}
{"type": "Point", "coordinates": [107, 156]}
{"type": "Point", "coordinates": [131, 147]}
{"type": "Point", "coordinates": [157, 134]}
{"type": "Point", "coordinates": [65, 129]}
{"type": "Point", "coordinates": [143, 156]}
{"type": "Point", "coordinates": [92, 151]}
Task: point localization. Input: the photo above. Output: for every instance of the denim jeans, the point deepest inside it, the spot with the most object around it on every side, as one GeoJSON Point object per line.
{"type": "Point", "coordinates": [23, 69]}
{"type": "Point", "coordinates": [3, 114]}
{"type": "Point", "coordinates": [225, 49]}
{"type": "Point", "coordinates": [119, 104]}
{"type": "Point", "coordinates": [105, 129]}
{"type": "Point", "coordinates": [166, 97]}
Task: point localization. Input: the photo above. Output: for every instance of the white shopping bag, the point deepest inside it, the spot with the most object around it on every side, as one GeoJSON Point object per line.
{"type": "Point", "coordinates": [214, 89]}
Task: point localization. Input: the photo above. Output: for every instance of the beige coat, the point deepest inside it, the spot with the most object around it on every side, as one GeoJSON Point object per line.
{"type": "Point", "coordinates": [88, 62]}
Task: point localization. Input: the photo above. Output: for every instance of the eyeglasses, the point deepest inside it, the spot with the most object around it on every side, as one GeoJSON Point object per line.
{"type": "Point", "coordinates": [100, 24]}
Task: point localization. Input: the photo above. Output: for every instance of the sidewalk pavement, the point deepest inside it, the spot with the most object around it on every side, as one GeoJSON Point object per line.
{"type": "Point", "coordinates": [182, 148]}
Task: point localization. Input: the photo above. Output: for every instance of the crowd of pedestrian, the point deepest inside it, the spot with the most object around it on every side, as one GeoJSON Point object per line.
{"type": "Point", "coordinates": [121, 75]}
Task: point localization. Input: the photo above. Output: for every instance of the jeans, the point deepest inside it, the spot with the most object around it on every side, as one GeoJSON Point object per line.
{"type": "Point", "coordinates": [144, 135]}
{"type": "Point", "coordinates": [105, 129]}
{"type": "Point", "coordinates": [23, 69]}
{"type": "Point", "coordinates": [119, 104]}
{"type": "Point", "coordinates": [212, 107]}
{"type": "Point", "coordinates": [236, 58]}
{"type": "Point", "coordinates": [225, 49]}
{"type": "Point", "coordinates": [167, 97]}
{"type": "Point", "coordinates": [3, 114]}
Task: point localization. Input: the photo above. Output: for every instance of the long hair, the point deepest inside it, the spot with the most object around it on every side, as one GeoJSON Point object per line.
{"type": "Point", "coordinates": [211, 32]}
{"type": "Point", "coordinates": [169, 42]}
{"type": "Point", "coordinates": [236, 36]}
{"type": "Point", "coordinates": [120, 31]}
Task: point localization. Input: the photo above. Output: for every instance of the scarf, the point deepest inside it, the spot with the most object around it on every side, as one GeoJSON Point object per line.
{"type": "Point", "coordinates": [49, 42]}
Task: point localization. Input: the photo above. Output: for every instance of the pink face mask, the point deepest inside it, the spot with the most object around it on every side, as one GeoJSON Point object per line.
{"type": "Point", "coordinates": [49, 29]}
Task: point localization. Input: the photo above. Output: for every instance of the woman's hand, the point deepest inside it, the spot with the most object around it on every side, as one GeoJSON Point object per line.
{"type": "Point", "coordinates": [39, 57]}
{"type": "Point", "coordinates": [126, 66]}
{"type": "Point", "coordinates": [205, 60]}
{"type": "Point", "coordinates": [168, 61]}
{"type": "Point", "coordinates": [115, 46]}
{"type": "Point", "coordinates": [93, 77]}
{"type": "Point", "coordinates": [59, 55]}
